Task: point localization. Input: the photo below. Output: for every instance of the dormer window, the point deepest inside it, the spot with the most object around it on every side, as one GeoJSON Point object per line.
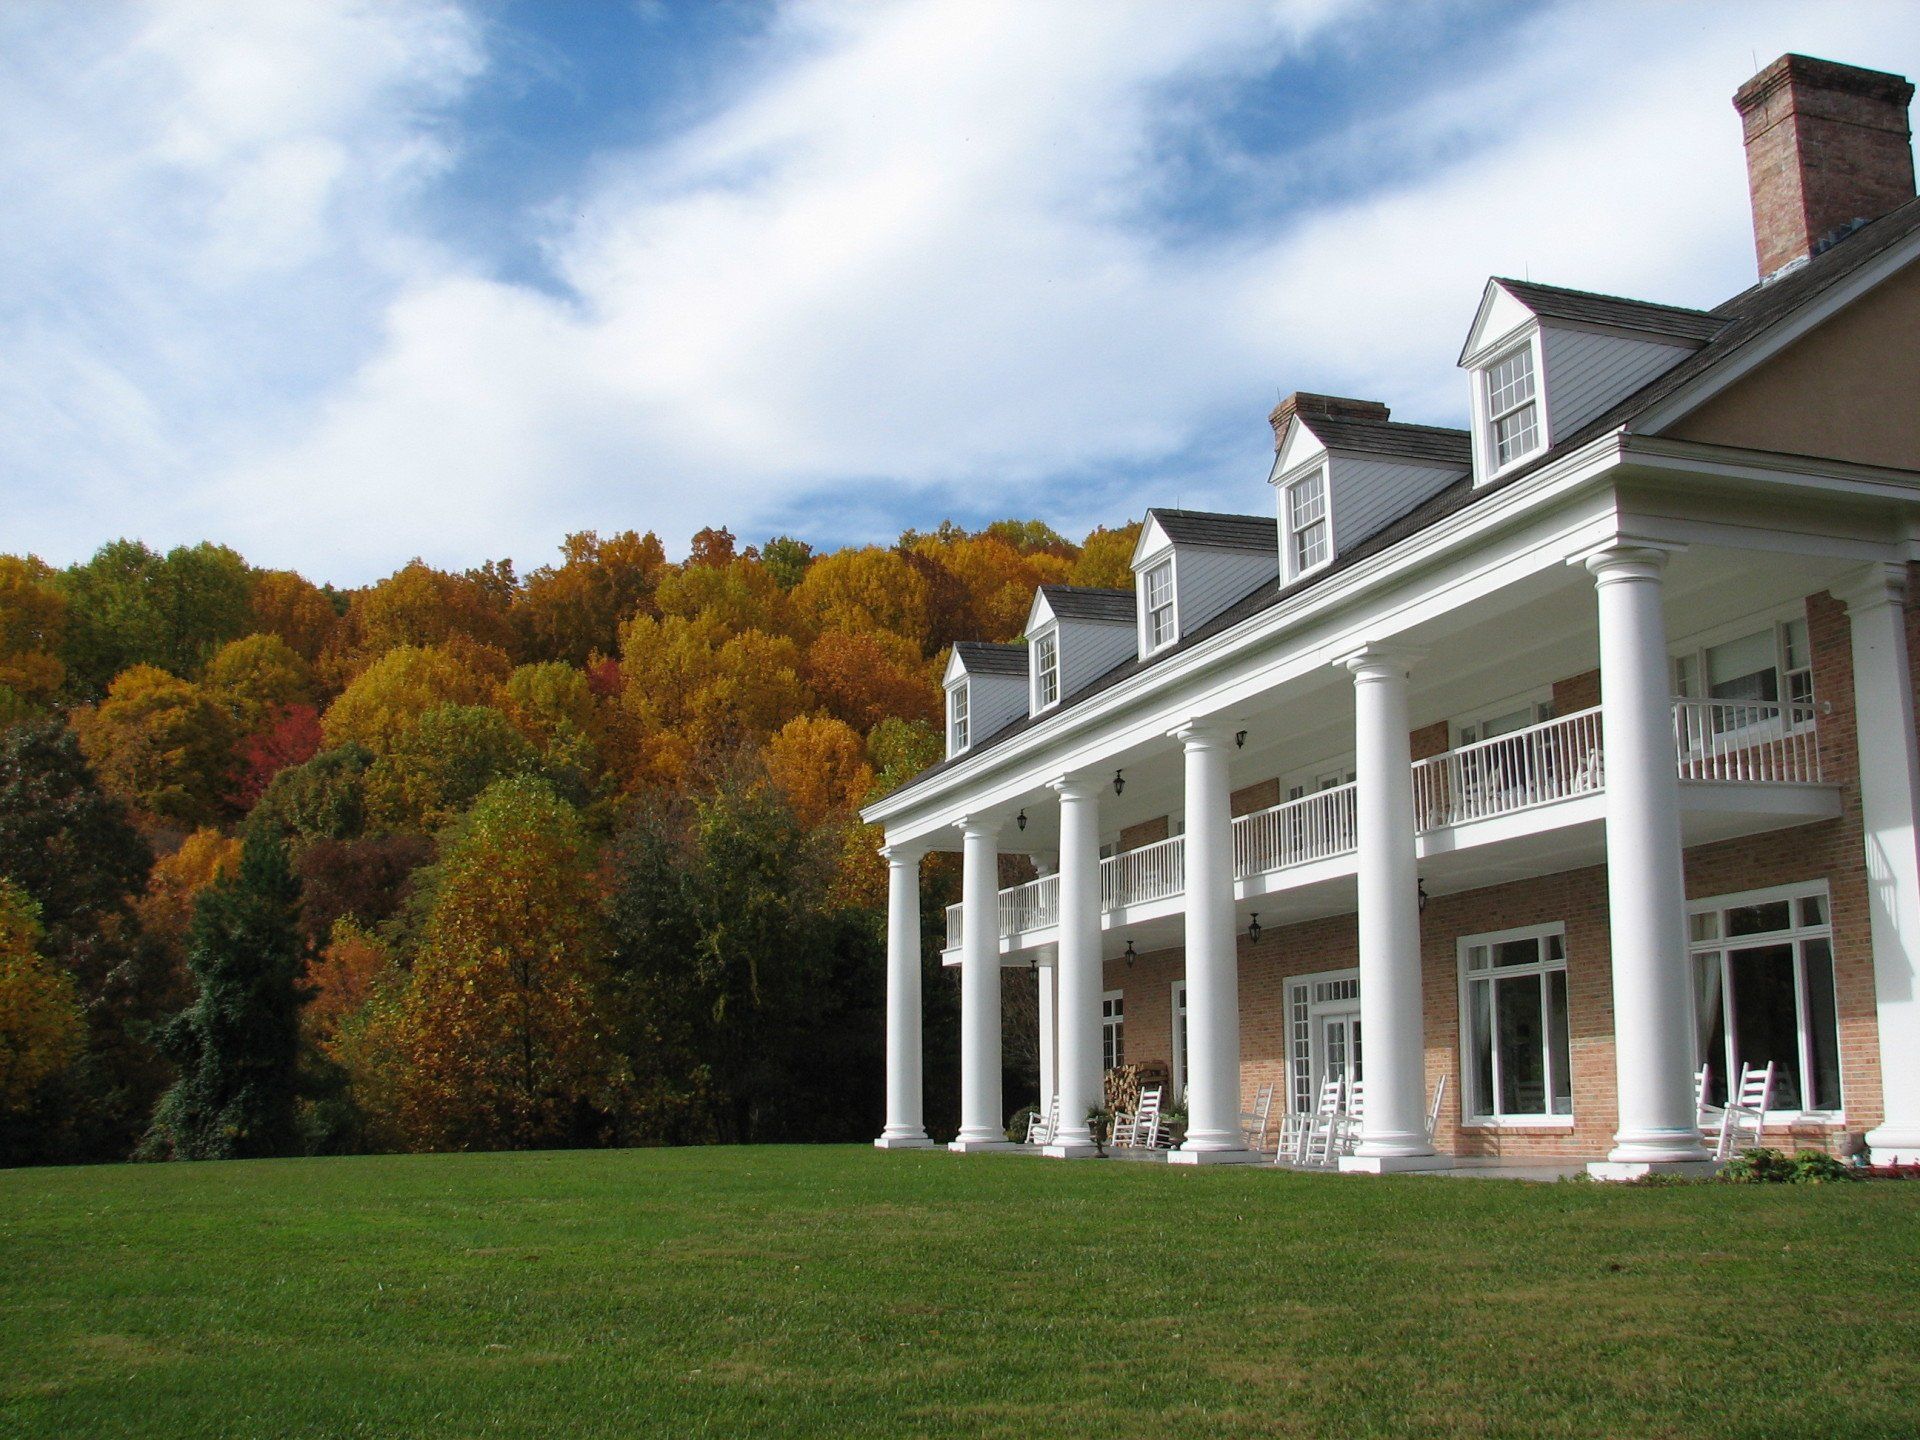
{"type": "Point", "coordinates": [1309, 538]}
{"type": "Point", "coordinates": [1513, 407]}
{"type": "Point", "coordinates": [957, 719]}
{"type": "Point", "coordinates": [1158, 598]}
{"type": "Point", "coordinates": [1046, 671]}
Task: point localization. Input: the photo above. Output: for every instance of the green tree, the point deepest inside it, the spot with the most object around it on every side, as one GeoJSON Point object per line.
{"type": "Point", "coordinates": [237, 1045]}
{"type": "Point", "coordinates": [323, 799]}
{"type": "Point", "coordinates": [786, 560]}
{"type": "Point", "coordinates": [440, 766]}
{"type": "Point", "coordinates": [129, 606]}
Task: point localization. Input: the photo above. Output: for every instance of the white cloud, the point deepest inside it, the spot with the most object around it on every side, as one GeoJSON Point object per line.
{"type": "Point", "coordinates": [913, 249]}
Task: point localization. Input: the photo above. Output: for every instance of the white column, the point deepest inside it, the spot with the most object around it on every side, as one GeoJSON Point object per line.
{"type": "Point", "coordinates": [1646, 888]}
{"type": "Point", "coordinates": [1393, 1133]}
{"type": "Point", "coordinates": [1213, 965]}
{"type": "Point", "coordinates": [1890, 812]}
{"type": "Point", "coordinates": [1046, 991]}
{"type": "Point", "coordinates": [982, 1121]}
{"type": "Point", "coordinates": [1077, 964]}
{"type": "Point", "coordinates": [906, 1127]}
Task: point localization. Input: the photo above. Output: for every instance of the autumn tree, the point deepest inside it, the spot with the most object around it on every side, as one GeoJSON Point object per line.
{"type": "Point", "coordinates": [341, 978]}
{"type": "Point", "coordinates": [295, 609]}
{"type": "Point", "coordinates": [161, 745]}
{"type": "Point", "coordinates": [1106, 558]}
{"type": "Point", "coordinates": [441, 765]}
{"type": "Point", "coordinates": [366, 880]}
{"type": "Point", "coordinates": [500, 1029]}
{"type": "Point", "coordinates": [553, 706]}
{"type": "Point", "coordinates": [41, 1028]}
{"type": "Point", "coordinates": [574, 610]}
{"type": "Point", "coordinates": [864, 590]}
{"type": "Point", "coordinates": [390, 696]}
{"type": "Point", "coordinates": [253, 677]}
{"type": "Point", "coordinates": [322, 798]}
{"type": "Point", "coordinates": [692, 691]}
{"type": "Point", "coordinates": [237, 1044]}
{"type": "Point", "coordinates": [286, 736]}
{"type": "Point", "coordinates": [130, 606]}
{"type": "Point", "coordinates": [724, 598]}
{"type": "Point", "coordinates": [418, 605]}
{"type": "Point", "coordinates": [865, 676]}
{"type": "Point", "coordinates": [819, 765]}
{"type": "Point", "coordinates": [712, 548]}
{"type": "Point", "coordinates": [998, 577]}
{"type": "Point", "coordinates": [33, 622]}
{"type": "Point", "coordinates": [165, 909]}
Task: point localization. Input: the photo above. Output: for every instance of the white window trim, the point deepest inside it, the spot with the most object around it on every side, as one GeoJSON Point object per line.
{"type": "Point", "coordinates": [1118, 1023]}
{"type": "Point", "coordinates": [960, 688]}
{"type": "Point", "coordinates": [1490, 467]}
{"type": "Point", "coordinates": [1147, 647]}
{"type": "Point", "coordinates": [1177, 1051]}
{"type": "Point", "coordinates": [1799, 890]}
{"type": "Point", "coordinates": [1694, 647]}
{"type": "Point", "coordinates": [1495, 937]}
{"type": "Point", "coordinates": [1318, 470]}
{"type": "Point", "coordinates": [1035, 700]}
{"type": "Point", "coordinates": [1540, 699]}
{"type": "Point", "coordinates": [1298, 992]}
{"type": "Point", "coordinates": [1308, 777]}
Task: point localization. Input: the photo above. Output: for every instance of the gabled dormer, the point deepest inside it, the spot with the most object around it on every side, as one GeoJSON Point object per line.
{"type": "Point", "coordinates": [1075, 634]}
{"type": "Point", "coordinates": [1544, 361]}
{"type": "Point", "coordinates": [1189, 565]}
{"type": "Point", "coordinates": [1342, 469]}
{"type": "Point", "coordinates": [986, 691]}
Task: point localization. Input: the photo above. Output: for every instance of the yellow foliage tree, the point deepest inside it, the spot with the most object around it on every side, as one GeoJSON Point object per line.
{"type": "Point", "coordinates": [33, 618]}
{"type": "Point", "coordinates": [160, 745]}
{"type": "Point", "coordinates": [175, 881]}
{"type": "Point", "coordinates": [419, 605]}
{"type": "Point", "coordinates": [295, 609]}
{"type": "Point", "coordinates": [388, 698]}
{"type": "Point", "coordinates": [254, 677]}
{"type": "Point", "coordinates": [863, 677]}
{"type": "Point", "coordinates": [690, 691]}
{"type": "Point", "coordinates": [865, 590]}
{"type": "Point", "coordinates": [574, 610]}
{"type": "Point", "coordinates": [1106, 559]}
{"type": "Point", "coordinates": [41, 1027]}
{"type": "Point", "coordinates": [820, 765]}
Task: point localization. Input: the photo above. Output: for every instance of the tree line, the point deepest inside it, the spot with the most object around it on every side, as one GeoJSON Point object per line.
{"type": "Point", "coordinates": [472, 860]}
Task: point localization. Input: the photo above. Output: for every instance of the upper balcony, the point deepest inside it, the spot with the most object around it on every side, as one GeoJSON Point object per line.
{"type": "Point", "coordinates": [1530, 802]}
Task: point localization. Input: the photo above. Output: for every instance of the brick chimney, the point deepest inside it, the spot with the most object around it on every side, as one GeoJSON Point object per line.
{"type": "Point", "coordinates": [1323, 407]}
{"type": "Point", "coordinates": [1827, 145]}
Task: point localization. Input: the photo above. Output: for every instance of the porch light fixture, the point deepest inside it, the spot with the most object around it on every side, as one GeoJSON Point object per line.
{"type": "Point", "coordinates": [1253, 928]}
{"type": "Point", "coordinates": [1421, 887]}
{"type": "Point", "coordinates": [1239, 739]}
{"type": "Point", "coordinates": [1119, 782]}
{"type": "Point", "coordinates": [1021, 820]}
{"type": "Point", "coordinates": [1033, 962]}
{"type": "Point", "coordinates": [1131, 957]}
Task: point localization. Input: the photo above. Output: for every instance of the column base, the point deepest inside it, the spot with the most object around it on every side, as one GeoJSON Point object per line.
{"type": "Point", "coordinates": [1393, 1164]}
{"type": "Point", "coordinates": [903, 1142]}
{"type": "Point", "coordinates": [1640, 1169]}
{"type": "Point", "coordinates": [1184, 1156]}
{"type": "Point", "coordinates": [981, 1147]}
{"type": "Point", "coordinates": [1070, 1150]}
{"type": "Point", "coordinates": [1893, 1145]}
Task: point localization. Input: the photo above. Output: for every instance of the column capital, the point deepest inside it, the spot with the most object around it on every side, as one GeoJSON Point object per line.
{"type": "Point", "coordinates": [1204, 733]}
{"type": "Point", "coordinates": [1872, 587]}
{"type": "Point", "coordinates": [1624, 559]}
{"type": "Point", "coordinates": [981, 827]}
{"type": "Point", "coordinates": [1379, 662]}
{"type": "Point", "coordinates": [1083, 786]}
{"type": "Point", "coordinates": [904, 852]}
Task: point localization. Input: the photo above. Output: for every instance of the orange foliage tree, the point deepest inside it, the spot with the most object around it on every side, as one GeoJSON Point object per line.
{"type": "Point", "coordinates": [33, 618]}
{"type": "Point", "coordinates": [820, 765]}
{"type": "Point", "coordinates": [419, 605]}
{"type": "Point", "coordinates": [295, 609]}
{"type": "Point", "coordinates": [160, 745]}
{"type": "Point", "coordinates": [866, 590]}
{"type": "Point", "coordinates": [865, 676]}
{"type": "Point", "coordinates": [574, 610]}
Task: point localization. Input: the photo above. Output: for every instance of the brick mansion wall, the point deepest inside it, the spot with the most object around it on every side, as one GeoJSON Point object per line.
{"type": "Point", "coordinates": [1832, 851]}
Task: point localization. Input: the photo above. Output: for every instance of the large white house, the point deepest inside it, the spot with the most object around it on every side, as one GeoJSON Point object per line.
{"type": "Point", "coordinates": [1558, 755]}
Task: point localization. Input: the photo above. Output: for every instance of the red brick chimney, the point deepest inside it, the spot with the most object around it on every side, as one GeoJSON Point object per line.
{"type": "Point", "coordinates": [1827, 145]}
{"type": "Point", "coordinates": [1326, 407]}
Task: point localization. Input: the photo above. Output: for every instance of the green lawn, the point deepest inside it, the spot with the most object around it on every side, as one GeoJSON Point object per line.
{"type": "Point", "coordinates": [843, 1292]}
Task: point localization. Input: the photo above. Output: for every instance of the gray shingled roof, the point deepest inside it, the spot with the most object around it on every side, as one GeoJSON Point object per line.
{"type": "Point", "coordinates": [1085, 602]}
{"type": "Point", "coordinates": [1219, 532]}
{"type": "Point", "coordinates": [1559, 303]}
{"type": "Point", "coordinates": [1431, 443]}
{"type": "Point", "coordinates": [1745, 317]}
{"type": "Point", "coordinates": [981, 658]}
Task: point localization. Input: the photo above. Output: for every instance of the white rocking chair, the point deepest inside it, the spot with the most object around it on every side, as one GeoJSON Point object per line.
{"type": "Point", "coordinates": [1433, 1110]}
{"type": "Point", "coordinates": [1140, 1129]}
{"type": "Point", "coordinates": [1041, 1126]}
{"type": "Point", "coordinates": [1256, 1120]}
{"type": "Point", "coordinates": [1746, 1111]}
{"type": "Point", "coordinates": [1326, 1130]}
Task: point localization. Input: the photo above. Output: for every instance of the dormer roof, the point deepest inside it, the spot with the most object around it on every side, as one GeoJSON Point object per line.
{"type": "Point", "coordinates": [1214, 531]}
{"type": "Point", "coordinates": [979, 657]}
{"type": "Point", "coordinates": [1086, 602]}
{"type": "Point", "coordinates": [1503, 296]}
{"type": "Point", "coordinates": [1433, 444]}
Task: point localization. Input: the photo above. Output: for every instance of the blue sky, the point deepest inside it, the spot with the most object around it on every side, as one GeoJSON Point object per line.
{"type": "Point", "coordinates": [341, 283]}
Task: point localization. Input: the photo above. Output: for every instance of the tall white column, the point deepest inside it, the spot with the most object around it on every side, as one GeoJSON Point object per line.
{"type": "Point", "coordinates": [982, 1121]}
{"type": "Point", "coordinates": [1646, 887]}
{"type": "Point", "coordinates": [1393, 1133]}
{"type": "Point", "coordinates": [1077, 964]}
{"type": "Point", "coordinates": [1213, 966]}
{"type": "Point", "coordinates": [906, 1126]}
{"type": "Point", "coordinates": [1890, 813]}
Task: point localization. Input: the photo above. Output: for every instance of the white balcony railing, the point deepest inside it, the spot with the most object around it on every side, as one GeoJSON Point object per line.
{"type": "Point", "coordinates": [1153, 872]}
{"type": "Point", "coordinates": [1555, 760]}
{"type": "Point", "coordinates": [1312, 827]}
{"type": "Point", "coordinates": [956, 932]}
{"type": "Point", "coordinates": [1746, 741]}
{"type": "Point", "coordinates": [1030, 906]}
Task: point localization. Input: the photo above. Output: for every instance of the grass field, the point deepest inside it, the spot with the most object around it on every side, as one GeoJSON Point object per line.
{"type": "Point", "coordinates": [843, 1292]}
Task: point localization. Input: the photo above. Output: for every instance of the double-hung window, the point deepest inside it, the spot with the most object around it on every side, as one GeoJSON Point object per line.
{"type": "Point", "coordinates": [1159, 603]}
{"type": "Point", "coordinates": [1309, 542]}
{"type": "Point", "coordinates": [1763, 991]}
{"type": "Point", "coordinates": [1046, 670]}
{"type": "Point", "coordinates": [1514, 1017]}
{"type": "Point", "coordinates": [1513, 407]}
{"type": "Point", "coordinates": [1113, 1030]}
{"type": "Point", "coordinates": [1763, 678]}
{"type": "Point", "coordinates": [957, 718]}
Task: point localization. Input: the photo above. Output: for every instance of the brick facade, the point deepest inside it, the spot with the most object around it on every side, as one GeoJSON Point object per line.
{"type": "Point", "coordinates": [1832, 850]}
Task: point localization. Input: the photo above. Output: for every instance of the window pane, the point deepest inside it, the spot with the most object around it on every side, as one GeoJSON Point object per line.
{"type": "Point", "coordinates": [1556, 947]}
{"type": "Point", "coordinates": [1794, 633]}
{"type": "Point", "coordinates": [1523, 1066]}
{"type": "Point", "coordinates": [1813, 910]}
{"type": "Point", "coordinates": [1759, 919]}
{"type": "Point", "coordinates": [1704, 926]}
{"type": "Point", "coordinates": [1686, 674]}
{"type": "Point", "coordinates": [1514, 435]}
{"type": "Point", "coordinates": [1766, 1023]}
{"type": "Point", "coordinates": [1743, 669]}
{"type": "Point", "coordinates": [1823, 1028]}
{"type": "Point", "coordinates": [1516, 952]}
{"type": "Point", "coordinates": [1480, 1055]}
{"type": "Point", "coordinates": [1558, 1043]}
{"type": "Point", "coordinates": [1510, 382]}
{"type": "Point", "coordinates": [1477, 957]}
{"type": "Point", "coordinates": [1710, 1018]}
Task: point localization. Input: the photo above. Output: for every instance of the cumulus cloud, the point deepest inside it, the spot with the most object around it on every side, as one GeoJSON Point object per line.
{"type": "Point", "coordinates": [915, 260]}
